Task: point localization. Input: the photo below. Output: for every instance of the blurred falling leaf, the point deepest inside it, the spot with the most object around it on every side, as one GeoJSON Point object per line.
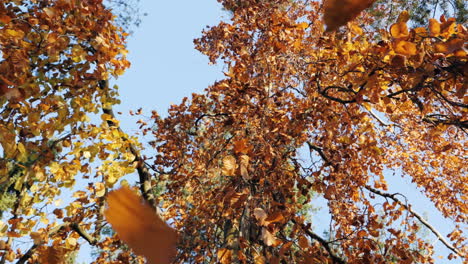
{"type": "Point", "coordinates": [340, 12]}
{"type": "Point", "coordinates": [140, 227]}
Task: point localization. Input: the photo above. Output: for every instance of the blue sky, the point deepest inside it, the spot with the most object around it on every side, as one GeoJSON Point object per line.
{"type": "Point", "coordinates": [166, 67]}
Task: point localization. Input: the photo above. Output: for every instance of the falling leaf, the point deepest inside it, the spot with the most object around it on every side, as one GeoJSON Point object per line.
{"type": "Point", "coordinates": [140, 227]}
{"type": "Point", "coordinates": [339, 12]}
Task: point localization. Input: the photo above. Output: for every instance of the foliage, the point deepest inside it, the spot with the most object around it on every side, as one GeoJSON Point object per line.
{"type": "Point", "coordinates": [365, 103]}
{"type": "Point", "coordinates": [385, 12]}
{"type": "Point", "coordinates": [127, 12]}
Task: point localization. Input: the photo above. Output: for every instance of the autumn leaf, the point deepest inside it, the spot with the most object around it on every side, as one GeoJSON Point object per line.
{"type": "Point", "coordinates": [260, 215]}
{"type": "Point", "coordinates": [339, 12]}
{"type": "Point", "coordinates": [140, 227]}
{"type": "Point", "coordinates": [229, 166]}
{"type": "Point", "coordinates": [269, 238]}
{"type": "Point", "coordinates": [244, 167]}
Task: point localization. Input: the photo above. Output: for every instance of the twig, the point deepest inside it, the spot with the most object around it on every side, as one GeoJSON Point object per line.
{"type": "Point", "coordinates": [142, 169]}
{"type": "Point", "coordinates": [74, 226]}
{"type": "Point", "coordinates": [418, 216]}
{"type": "Point", "coordinates": [336, 259]}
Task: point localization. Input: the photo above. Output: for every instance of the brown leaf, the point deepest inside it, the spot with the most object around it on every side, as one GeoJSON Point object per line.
{"type": "Point", "coordinates": [339, 12]}
{"type": "Point", "coordinates": [140, 227]}
{"type": "Point", "coordinates": [276, 217]}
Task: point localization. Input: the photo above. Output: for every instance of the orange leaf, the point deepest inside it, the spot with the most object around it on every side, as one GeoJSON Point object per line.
{"type": "Point", "coordinates": [405, 48]}
{"type": "Point", "coordinates": [399, 30]}
{"type": "Point", "coordinates": [140, 227]}
{"type": "Point", "coordinates": [449, 46]}
{"type": "Point", "coordinates": [242, 146]}
{"type": "Point", "coordinates": [340, 12]}
{"type": "Point", "coordinates": [275, 217]}
{"type": "Point", "coordinates": [403, 17]}
{"type": "Point", "coordinates": [224, 255]}
{"type": "Point", "coordinates": [434, 27]}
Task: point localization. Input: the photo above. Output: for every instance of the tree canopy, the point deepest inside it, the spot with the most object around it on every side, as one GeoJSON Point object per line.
{"type": "Point", "coordinates": [318, 100]}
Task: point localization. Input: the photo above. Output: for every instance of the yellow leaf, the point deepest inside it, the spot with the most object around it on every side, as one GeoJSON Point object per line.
{"type": "Point", "coordinates": [100, 189]}
{"type": "Point", "coordinates": [140, 227]}
{"type": "Point", "coordinates": [224, 255]}
{"type": "Point", "coordinates": [229, 166]}
{"type": "Point", "coordinates": [15, 33]}
{"type": "Point", "coordinates": [303, 25]}
{"type": "Point", "coordinates": [70, 243]}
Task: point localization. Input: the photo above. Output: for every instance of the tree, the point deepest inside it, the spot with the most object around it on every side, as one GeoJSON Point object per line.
{"type": "Point", "coordinates": [385, 12]}
{"type": "Point", "coordinates": [363, 104]}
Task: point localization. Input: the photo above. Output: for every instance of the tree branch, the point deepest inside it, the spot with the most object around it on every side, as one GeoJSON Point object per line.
{"type": "Point", "coordinates": [142, 169]}
{"type": "Point", "coordinates": [74, 226]}
{"type": "Point", "coordinates": [418, 216]}
{"type": "Point", "coordinates": [336, 259]}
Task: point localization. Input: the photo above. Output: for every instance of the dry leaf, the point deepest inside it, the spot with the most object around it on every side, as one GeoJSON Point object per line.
{"type": "Point", "coordinates": [269, 239]}
{"type": "Point", "coordinates": [229, 166]}
{"type": "Point", "coordinates": [244, 167]}
{"type": "Point", "coordinates": [276, 217]}
{"type": "Point", "coordinates": [224, 255]}
{"type": "Point", "coordinates": [260, 215]}
{"type": "Point", "coordinates": [340, 12]}
{"type": "Point", "coordinates": [140, 227]}
{"type": "Point", "coordinates": [405, 48]}
{"type": "Point", "coordinates": [399, 30]}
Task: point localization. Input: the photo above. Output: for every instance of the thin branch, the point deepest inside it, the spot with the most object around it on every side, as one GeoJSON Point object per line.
{"type": "Point", "coordinates": [142, 169]}
{"type": "Point", "coordinates": [74, 226]}
{"type": "Point", "coordinates": [418, 216]}
{"type": "Point", "coordinates": [336, 259]}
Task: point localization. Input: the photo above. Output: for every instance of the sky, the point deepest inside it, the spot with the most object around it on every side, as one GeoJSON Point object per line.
{"type": "Point", "coordinates": [166, 67]}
